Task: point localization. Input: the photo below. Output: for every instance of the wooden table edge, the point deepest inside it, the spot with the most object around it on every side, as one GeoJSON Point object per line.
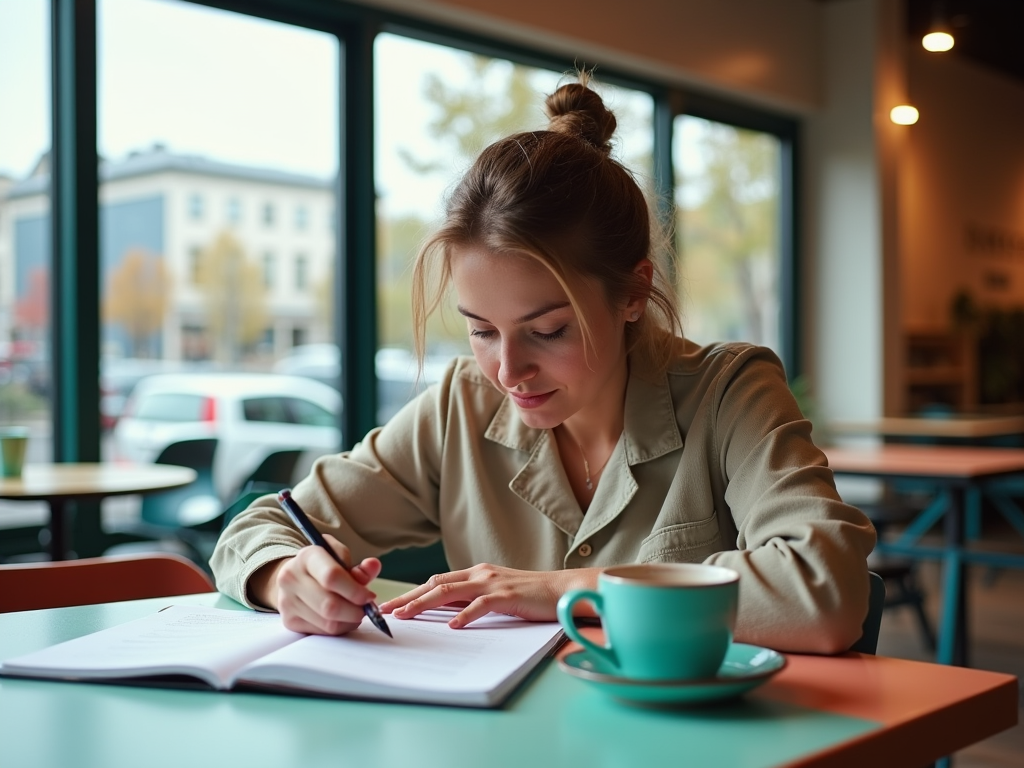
{"type": "Point", "coordinates": [984, 714]}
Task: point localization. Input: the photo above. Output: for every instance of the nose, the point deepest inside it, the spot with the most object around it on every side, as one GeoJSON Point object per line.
{"type": "Point", "coordinates": [514, 365]}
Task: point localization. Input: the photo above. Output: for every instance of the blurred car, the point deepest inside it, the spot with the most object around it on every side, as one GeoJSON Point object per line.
{"type": "Point", "coordinates": [396, 368]}
{"type": "Point", "coordinates": [119, 375]}
{"type": "Point", "coordinates": [250, 414]}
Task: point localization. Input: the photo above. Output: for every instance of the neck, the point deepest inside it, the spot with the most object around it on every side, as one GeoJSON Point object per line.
{"type": "Point", "coordinates": [596, 427]}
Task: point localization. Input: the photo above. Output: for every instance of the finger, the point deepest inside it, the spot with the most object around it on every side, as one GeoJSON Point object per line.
{"type": "Point", "coordinates": [333, 578]}
{"type": "Point", "coordinates": [441, 595]}
{"type": "Point", "coordinates": [367, 571]}
{"type": "Point", "coordinates": [434, 581]}
{"type": "Point", "coordinates": [327, 615]}
{"type": "Point", "coordinates": [479, 608]}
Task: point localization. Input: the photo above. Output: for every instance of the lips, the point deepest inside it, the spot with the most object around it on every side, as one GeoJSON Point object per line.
{"type": "Point", "coordinates": [530, 401]}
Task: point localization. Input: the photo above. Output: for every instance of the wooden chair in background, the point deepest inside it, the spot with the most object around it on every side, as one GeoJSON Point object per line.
{"type": "Point", "coordinates": [31, 586]}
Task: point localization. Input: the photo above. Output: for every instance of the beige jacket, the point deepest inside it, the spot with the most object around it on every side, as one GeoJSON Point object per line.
{"type": "Point", "coordinates": [715, 464]}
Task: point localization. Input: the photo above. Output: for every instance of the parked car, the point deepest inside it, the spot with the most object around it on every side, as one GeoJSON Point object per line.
{"type": "Point", "coordinates": [397, 372]}
{"type": "Point", "coordinates": [250, 414]}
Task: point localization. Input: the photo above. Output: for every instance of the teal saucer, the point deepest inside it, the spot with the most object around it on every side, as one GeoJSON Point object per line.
{"type": "Point", "coordinates": [745, 667]}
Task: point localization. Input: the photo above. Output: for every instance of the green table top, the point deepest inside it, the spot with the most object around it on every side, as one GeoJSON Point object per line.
{"type": "Point", "coordinates": [552, 720]}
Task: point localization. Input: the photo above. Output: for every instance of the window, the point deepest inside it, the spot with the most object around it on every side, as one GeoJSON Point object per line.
{"type": "Point", "coordinates": [299, 335]}
{"type": "Point", "coordinates": [431, 123]}
{"type": "Point", "coordinates": [172, 407]}
{"type": "Point", "coordinates": [727, 201]}
{"type": "Point", "coordinates": [301, 272]}
{"type": "Point", "coordinates": [234, 210]}
{"type": "Point", "coordinates": [195, 206]}
{"type": "Point", "coordinates": [301, 218]}
{"type": "Point", "coordinates": [269, 264]}
{"type": "Point", "coordinates": [310, 414]}
{"type": "Point", "coordinates": [195, 264]}
{"type": "Point", "coordinates": [271, 409]}
{"type": "Point", "coordinates": [26, 389]}
{"type": "Point", "coordinates": [208, 109]}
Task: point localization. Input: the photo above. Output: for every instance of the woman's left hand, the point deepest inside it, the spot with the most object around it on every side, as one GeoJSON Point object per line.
{"type": "Point", "coordinates": [484, 588]}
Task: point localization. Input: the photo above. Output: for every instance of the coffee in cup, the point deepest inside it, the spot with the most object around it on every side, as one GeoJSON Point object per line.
{"type": "Point", "coordinates": [662, 621]}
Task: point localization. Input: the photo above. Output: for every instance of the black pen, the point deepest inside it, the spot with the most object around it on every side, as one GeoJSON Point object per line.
{"type": "Point", "coordinates": [310, 532]}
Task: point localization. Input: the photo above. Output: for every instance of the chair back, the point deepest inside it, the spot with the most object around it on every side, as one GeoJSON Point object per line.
{"type": "Point", "coordinates": [868, 642]}
{"type": "Point", "coordinates": [31, 586]}
{"type": "Point", "coordinates": [275, 472]}
{"type": "Point", "coordinates": [193, 504]}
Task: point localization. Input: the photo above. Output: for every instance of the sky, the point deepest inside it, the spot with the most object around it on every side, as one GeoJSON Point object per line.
{"type": "Point", "coordinates": [239, 89]}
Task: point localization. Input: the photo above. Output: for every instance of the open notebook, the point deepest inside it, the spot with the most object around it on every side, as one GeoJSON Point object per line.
{"type": "Point", "coordinates": [426, 661]}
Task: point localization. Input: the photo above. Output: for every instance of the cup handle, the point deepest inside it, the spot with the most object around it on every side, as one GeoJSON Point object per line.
{"type": "Point", "coordinates": [564, 610]}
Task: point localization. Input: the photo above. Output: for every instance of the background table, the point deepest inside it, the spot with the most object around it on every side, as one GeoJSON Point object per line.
{"type": "Point", "coordinates": [825, 712]}
{"type": "Point", "coordinates": [957, 471]}
{"type": "Point", "coordinates": [958, 426]}
{"type": "Point", "coordinates": [59, 484]}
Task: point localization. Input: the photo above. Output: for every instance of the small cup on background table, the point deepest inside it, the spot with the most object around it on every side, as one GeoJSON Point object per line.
{"type": "Point", "coordinates": [13, 442]}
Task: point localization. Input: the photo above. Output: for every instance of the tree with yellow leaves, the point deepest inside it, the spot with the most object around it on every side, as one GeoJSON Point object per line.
{"type": "Point", "coordinates": [137, 297]}
{"type": "Point", "coordinates": [234, 296]}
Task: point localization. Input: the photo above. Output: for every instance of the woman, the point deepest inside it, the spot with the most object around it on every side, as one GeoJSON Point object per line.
{"type": "Point", "coordinates": [584, 432]}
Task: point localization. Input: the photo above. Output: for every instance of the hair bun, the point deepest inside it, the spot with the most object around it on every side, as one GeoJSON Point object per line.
{"type": "Point", "coordinates": [576, 110]}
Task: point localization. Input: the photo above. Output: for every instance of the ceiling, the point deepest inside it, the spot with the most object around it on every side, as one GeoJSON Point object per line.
{"type": "Point", "coordinates": [988, 32]}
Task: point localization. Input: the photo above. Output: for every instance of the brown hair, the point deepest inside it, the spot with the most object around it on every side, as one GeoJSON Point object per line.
{"type": "Point", "coordinates": [557, 196]}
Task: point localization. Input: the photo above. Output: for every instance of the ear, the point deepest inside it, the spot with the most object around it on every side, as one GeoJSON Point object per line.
{"type": "Point", "coordinates": [644, 273]}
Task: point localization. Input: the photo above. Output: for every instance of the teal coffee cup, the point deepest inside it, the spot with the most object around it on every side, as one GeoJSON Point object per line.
{"type": "Point", "coordinates": [662, 621]}
{"type": "Point", "coordinates": [13, 441]}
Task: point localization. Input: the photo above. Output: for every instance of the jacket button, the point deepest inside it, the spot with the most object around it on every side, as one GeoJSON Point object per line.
{"type": "Point", "coordinates": [585, 550]}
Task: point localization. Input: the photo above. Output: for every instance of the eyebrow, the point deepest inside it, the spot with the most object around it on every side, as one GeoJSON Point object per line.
{"type": "Point", "coordinates": [520, 320]}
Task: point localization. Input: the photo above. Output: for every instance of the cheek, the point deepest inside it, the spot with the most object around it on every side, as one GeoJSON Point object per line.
{"type": "Point", "coordinates": [486, 358]}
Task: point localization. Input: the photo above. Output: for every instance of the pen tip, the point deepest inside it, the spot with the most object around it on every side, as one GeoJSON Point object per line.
{"type": "Point", "coordinates": [383, 626]}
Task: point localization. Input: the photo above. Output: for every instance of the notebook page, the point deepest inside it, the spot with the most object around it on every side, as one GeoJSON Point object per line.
{"type": "Point", "coordinates": [209, 643]}
{"type": "Point", "coordinates": [426, 660]}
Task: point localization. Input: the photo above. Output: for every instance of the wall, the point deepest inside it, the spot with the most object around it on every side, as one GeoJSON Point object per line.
{"type": "Point", "coordinates": [962, 188]}
{"type": "Point", "coordinates": [766, 52]}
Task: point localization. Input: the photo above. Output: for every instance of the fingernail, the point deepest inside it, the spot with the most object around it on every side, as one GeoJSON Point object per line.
{"type": "Point", "coordinates": [455, 624]}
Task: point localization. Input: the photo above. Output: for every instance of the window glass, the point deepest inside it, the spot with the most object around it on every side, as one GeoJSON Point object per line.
{"type": "Point", "coordinates": [310, 414]}
{"type": "Point", "coordinates": [171, 407]}
{"type": "Point", "coordinates": [241, 114]}
{"type": "Point", "coordinates": [265, 409]}
{"type": "Point", "coordinates": [431, 123]}
{"type": "Point", "coordinates": [25, 258]}
{"type": "Point", "coordinates": [727, 198]}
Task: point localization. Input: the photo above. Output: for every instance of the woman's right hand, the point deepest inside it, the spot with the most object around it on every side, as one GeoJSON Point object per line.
{"type": "Point", "coordinates": [313, 594]}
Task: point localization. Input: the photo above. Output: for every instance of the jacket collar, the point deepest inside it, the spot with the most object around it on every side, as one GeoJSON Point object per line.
{"type": "Point", "coordinates": [650, 428]}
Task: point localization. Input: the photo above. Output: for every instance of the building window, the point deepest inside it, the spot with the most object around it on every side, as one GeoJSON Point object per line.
{"type": "Point", "coordinates": [268, 269]}
{"type": "Point", "coordinates": [298, 336]}
{"type": "Point", "coordinates": [234, 210]}
{"type": "Point", "coordinates": [195, 207]}
{"type": "Point", "coordinates": [301, 272]}
{"type": "Point", "coordinates": [195, 260]}
{"type": "Point", "coordinates": [268, 214]}
{"type": "Point", "coordinates": [301, 217]}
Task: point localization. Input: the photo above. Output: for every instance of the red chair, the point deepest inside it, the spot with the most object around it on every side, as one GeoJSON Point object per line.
{"type": "Point", "coordinates": [31, 586]}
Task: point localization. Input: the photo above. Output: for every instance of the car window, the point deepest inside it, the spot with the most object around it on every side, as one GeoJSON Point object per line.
{"type": "Point", "coordinates": [171, 407]}
{"type": "Point", "coordinates": [310, 414]}
{"type": "Point", "coordinates": [271, 409]}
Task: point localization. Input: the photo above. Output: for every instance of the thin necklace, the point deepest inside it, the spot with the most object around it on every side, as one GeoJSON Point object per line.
{"type": "Point", "coordinates": [586, 467]}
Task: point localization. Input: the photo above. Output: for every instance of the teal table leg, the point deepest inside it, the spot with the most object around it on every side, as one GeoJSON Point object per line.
{"type": "Point", "coordinates": [953, 630]}
{"type": "Point", "coordinates": [972, 512]}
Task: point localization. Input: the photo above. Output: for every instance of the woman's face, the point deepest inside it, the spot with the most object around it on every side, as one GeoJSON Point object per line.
{"type": "Point", "coordinates": [528, 341]}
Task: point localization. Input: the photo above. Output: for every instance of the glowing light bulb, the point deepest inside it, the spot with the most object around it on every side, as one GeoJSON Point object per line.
{"type": "Point", "coordinates": [904, 114]}
{"type": "Point", "coordinates": [937, 41]}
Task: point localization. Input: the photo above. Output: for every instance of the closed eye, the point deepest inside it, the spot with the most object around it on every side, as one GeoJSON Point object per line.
{"type": "Point", "coordinates": [553, 335]}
